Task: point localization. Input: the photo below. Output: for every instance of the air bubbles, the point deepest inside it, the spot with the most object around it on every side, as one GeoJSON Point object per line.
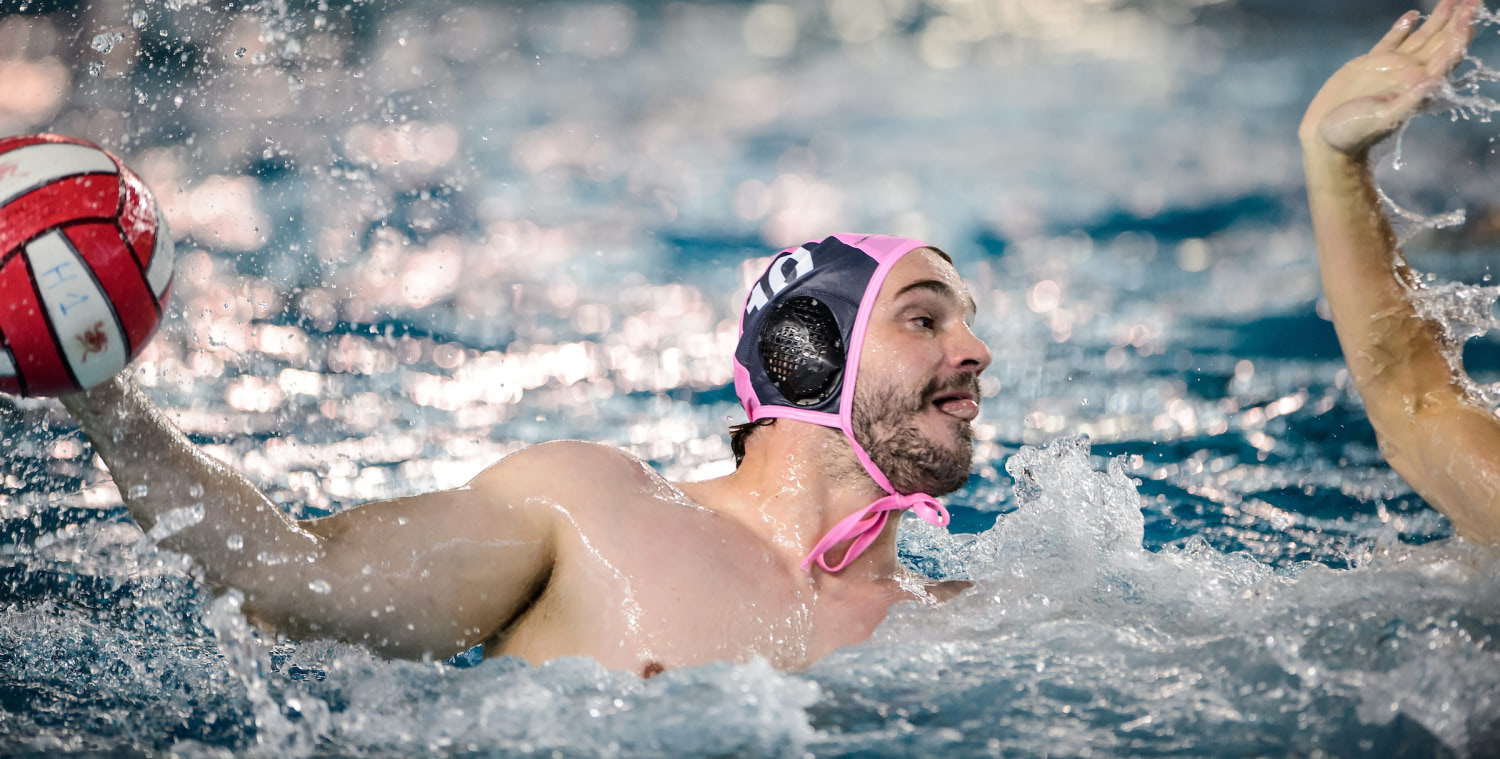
{"type": "Point", "coordinates": [96, 68]}
{"type": "Point", "coordinates": [137, 492]}
{"type": "Point", "coordinates": [320, 587]}
{"type": "Point", "coordinates": [138, 19]}
{"type": "Point", "coordinates": [235, 542]}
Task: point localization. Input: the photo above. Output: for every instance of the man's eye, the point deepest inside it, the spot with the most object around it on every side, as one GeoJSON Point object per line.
{"type": "Point", "coordinates": [925, 322]}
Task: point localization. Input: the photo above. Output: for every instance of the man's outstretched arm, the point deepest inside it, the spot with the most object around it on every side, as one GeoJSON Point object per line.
{"type": "Point", "coordinates": [1444, 443]}
{"type": "Point", "coordinates": [421, 576]}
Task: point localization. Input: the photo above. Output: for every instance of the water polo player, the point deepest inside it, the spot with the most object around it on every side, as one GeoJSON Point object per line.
{"type": "Point", "coordinates": [857, 367]}
{"type": "Point", "coordinates": [857, 346]}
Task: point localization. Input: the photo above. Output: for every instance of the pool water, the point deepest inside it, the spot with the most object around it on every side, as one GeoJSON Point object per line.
{"type": "Point", "coordinates": [413, 238]}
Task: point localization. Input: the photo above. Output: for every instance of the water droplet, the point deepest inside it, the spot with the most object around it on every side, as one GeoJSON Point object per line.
{"type": "Point", "coordinates": [137, 491]}
{"type": "Point", "coordinates": [239, 53]}
{"type": "Point", "coordinates": [235, 542]}
{"type": "Point", "coordinates": [195, 490]}
{"type": "Point", "coordinates": [138, 19]}
{"type": "Point", "coordinates": [96, 68]}
{"type": "Point", "coordinates": [106, 42]}
{"type": "Point", "coordinates": [175, 521]}
{"type": "Point", "coordinates": [319, 586]}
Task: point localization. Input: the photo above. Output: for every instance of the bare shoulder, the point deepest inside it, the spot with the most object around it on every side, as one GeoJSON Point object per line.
{"type": "Point", "coordinates": [571, 466]}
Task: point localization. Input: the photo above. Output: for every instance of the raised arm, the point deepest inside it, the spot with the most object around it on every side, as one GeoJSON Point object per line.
{"type": "Point", "coordinates": [1443, 442]}
{"type": "Point", "coordinates": [425, 576]}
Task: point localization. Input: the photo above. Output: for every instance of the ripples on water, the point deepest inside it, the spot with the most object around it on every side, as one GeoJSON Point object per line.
{"type": "Point", "coordinates": [416, 237]}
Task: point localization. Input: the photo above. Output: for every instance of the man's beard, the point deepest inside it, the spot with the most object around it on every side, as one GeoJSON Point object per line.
{"type": "Point", "coordinates": [885, 424]}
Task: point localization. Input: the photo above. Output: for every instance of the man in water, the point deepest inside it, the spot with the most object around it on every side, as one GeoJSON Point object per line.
{"type": "Point", "coordinates": [572, 548]}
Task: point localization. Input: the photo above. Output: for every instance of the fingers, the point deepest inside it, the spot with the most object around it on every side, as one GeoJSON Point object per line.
{"type": "Point", "coordinates": [1445, 57]}
{"type": "Point", "coordinates": [1435, 23]}
{"type": "Point", "coordinates": [1445, 50]}
{"type": "Point", "coordinates": [1460, 28]}
{"type": "Point", "coordinates": [1398, 33]}
{"type": "Point", "coordinates": [1470, 11]}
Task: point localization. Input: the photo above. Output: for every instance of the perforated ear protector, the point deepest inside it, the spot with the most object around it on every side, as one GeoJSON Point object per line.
{"type": "Point", "coordinates": [802, 350]}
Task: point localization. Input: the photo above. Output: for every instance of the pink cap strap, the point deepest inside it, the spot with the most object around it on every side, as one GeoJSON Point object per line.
{"type": "Point", "coordinates": [865, 525]}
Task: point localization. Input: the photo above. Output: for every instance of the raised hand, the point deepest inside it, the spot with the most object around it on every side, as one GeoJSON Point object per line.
{"type": "Point", "coordinates": [1372, 95]}
{"type": "Point", "coordinates": [1442, 441]}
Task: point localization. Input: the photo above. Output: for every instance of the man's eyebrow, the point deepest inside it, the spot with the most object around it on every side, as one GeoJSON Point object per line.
{"type": "Point", "coordinates": [943, 289]}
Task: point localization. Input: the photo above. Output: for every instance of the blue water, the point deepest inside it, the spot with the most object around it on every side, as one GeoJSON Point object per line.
{"type": "Point", "coordinates": [414, 237]}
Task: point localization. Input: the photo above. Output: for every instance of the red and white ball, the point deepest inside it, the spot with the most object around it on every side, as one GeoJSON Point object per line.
{"type": "Point", "coordinates": [85, 265]}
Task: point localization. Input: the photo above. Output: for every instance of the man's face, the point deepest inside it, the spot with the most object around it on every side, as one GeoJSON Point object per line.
{"type": "Point", "coordinates": [918, 385]}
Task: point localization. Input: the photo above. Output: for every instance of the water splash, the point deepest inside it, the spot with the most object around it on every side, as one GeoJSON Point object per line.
{"type": "Point", "coordinates": [174, 521]}
{"type": "Point", "coordinates": [275, 733]}
{"type": "Point", "coordinates": [1070, 617]}
{"type": "Point", "coordinates": [1407, 224]}
{"type": "Point", "coordinates": [1460, 97]}
{"type": "Point", "coordinates": [1461, 311]}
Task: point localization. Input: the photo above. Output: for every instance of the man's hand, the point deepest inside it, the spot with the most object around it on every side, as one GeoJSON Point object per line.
{"type": "Point", "coordinates": [1443, 442]}
{"type": "Point", "coordinates": [1372, 95]}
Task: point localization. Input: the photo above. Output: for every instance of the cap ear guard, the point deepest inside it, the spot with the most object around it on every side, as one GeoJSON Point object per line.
{"type": "Point", "coordinates": [802, 350]}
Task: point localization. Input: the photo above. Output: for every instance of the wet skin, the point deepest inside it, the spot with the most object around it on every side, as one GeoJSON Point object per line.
{"type": "Point", "coordinates": [645, 575]}
{"type": "Point", "coordinates": [572, 548]}
{"type": "Point", "coordinates": [648, 572]}
{"type": "Point", "coordinates": [1434, 432]}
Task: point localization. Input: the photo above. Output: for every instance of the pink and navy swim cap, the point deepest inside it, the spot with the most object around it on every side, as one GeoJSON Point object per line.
{"type": "Point", "coordinates": [801, 334]}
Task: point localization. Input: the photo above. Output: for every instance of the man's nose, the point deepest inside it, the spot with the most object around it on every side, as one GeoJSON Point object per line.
{"type": "Point", "coordinates": [970, 353]}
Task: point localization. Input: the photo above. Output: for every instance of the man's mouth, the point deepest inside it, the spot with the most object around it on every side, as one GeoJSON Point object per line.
{"type": "Point", "coordinates": [959, 404]}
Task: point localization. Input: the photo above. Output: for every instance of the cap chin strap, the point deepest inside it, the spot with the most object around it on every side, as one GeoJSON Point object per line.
{"type": "Point", "coordinates": [865, 525]}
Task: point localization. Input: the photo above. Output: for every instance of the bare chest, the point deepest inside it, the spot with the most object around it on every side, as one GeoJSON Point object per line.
{"type": "Point", "coordinates": [686, 588]}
